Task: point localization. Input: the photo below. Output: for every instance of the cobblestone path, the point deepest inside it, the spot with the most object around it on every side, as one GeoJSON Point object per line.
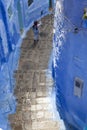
{"type": "Point", "coordinates": [33, 89]}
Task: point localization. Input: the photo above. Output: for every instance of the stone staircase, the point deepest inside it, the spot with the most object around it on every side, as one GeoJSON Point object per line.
{"type": "Point", "coordinates": [34, 85]}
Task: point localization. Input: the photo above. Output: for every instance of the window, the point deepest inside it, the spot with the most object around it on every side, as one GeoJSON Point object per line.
{"type": "Point", "coordinates": [10, 11]}
{"type": "Point", "coordinates": [78, 87]}
{"type": "Point", "coordinates": [30, 2]}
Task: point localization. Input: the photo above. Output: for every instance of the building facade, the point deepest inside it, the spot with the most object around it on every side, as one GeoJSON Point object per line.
{"type": "Point", "coordinates": [16, 17]}
{"type": "Point", "coordinates": [69, 63]}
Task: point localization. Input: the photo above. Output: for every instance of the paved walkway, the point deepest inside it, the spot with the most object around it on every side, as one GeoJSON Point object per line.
{"type": "Point", "coordinates": [33, 88]}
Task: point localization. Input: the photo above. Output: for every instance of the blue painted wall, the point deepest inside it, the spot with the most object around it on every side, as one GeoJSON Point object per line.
{"type": "Point", "coordinates": [16, 17]}
{"type": "Point", "coordinates": [70, 62]}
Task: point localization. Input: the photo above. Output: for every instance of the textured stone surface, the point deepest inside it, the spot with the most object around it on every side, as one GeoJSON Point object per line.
{"type": "Point", "coordinates": [33, 89]}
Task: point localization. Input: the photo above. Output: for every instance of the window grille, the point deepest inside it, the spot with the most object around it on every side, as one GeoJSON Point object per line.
{"type": "Point", "coordinates": [30, 2]}
{"type": "Point", "coordinates": [78, 87]}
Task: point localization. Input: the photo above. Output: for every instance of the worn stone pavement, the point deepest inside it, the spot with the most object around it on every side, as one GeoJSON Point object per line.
{"type": "Point", "coordinates": [33, 86]}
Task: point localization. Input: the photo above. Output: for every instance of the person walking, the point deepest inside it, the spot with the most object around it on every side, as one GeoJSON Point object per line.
{"type": "Point", "coordinates": [36, 32]}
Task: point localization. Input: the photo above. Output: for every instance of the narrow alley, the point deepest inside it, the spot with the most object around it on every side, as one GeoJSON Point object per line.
{"type": "Point", "coordinates": [33, 88]}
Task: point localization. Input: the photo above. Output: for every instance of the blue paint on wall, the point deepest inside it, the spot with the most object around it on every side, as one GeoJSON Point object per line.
{"type": "Point", "coordinates": [70, 62]}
